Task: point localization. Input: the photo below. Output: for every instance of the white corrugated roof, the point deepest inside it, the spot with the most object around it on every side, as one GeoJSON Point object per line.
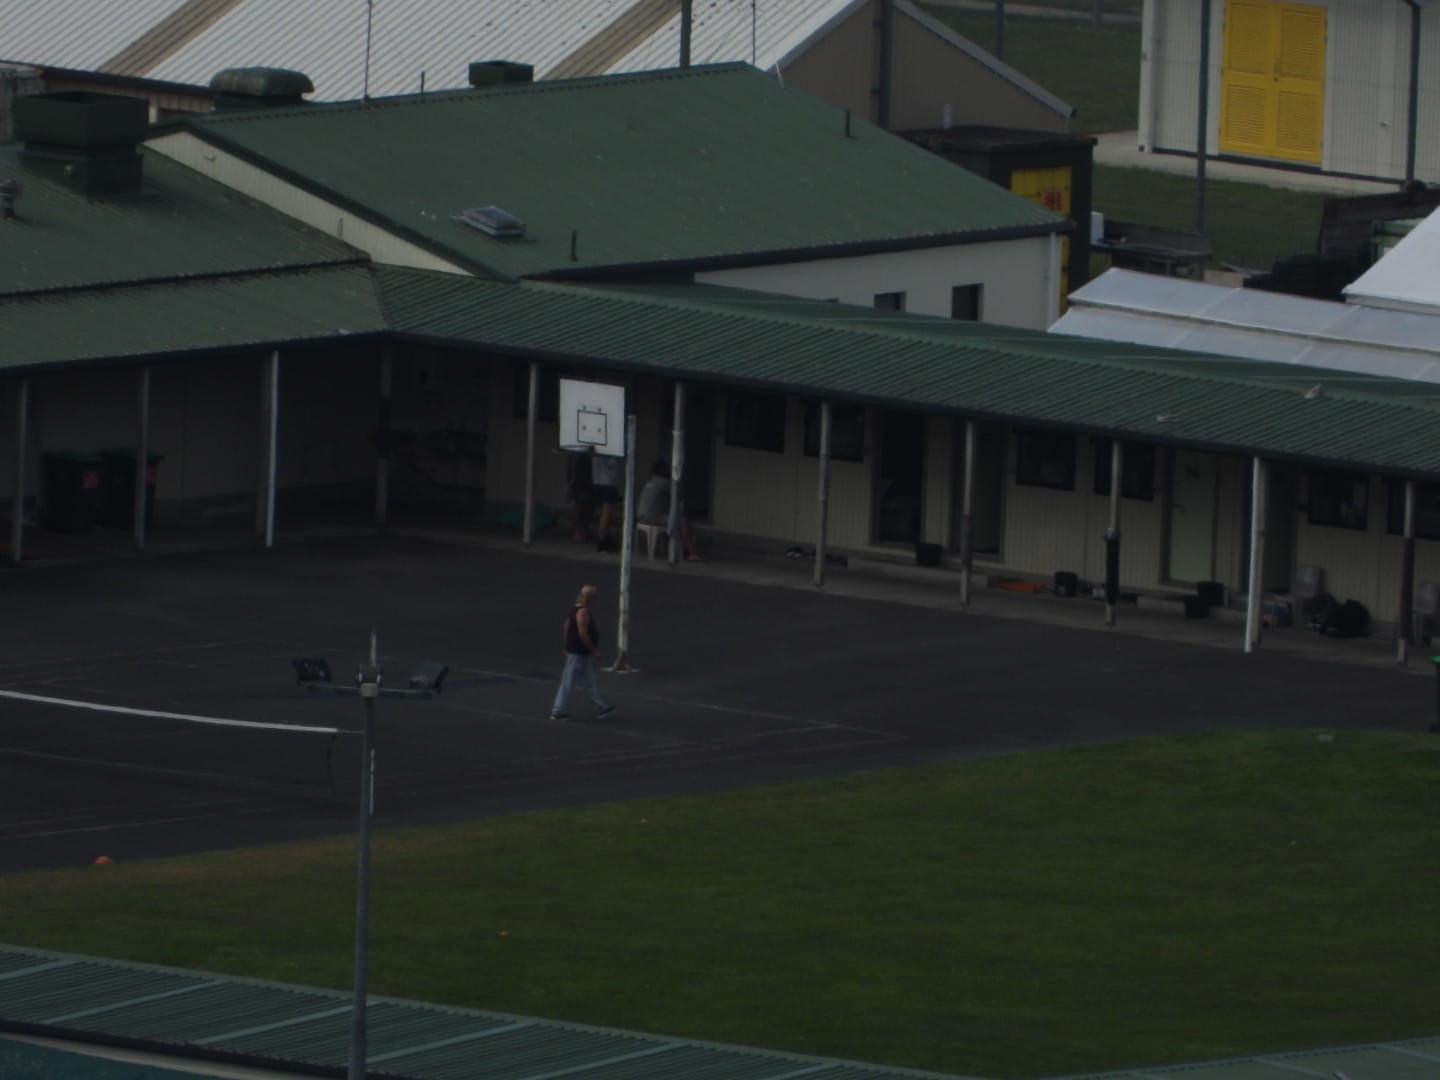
{"type": "Point", "coordinates": [80, 34]}
{"type": "Point", "coordinates": [759, 32]}
{"type": "Point", "coordinates": [439, 38]}
{"type": "Point", "coordinates": [1407, 277]}
{"type": "Point", "coordinates": [1147, 309]}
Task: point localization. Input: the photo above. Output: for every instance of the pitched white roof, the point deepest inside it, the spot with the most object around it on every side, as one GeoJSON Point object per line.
{"type": "Point", "coordinates": [1148, 309]}
{"type": "Point", "coordinates": [437, 38]}
{"type": "Point", "coordinates": [1407, 277]}
{"type": "Point", "coordinates": [433, 39]}
{"type": "Point", "coordinates": [764, 33]}
{"type": "Point", "coordinates": [80, 34]}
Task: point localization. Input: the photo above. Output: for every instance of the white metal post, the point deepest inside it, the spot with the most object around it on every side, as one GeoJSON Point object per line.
{"type": "Point", "coordinates": [967, 515]}
{"type": "Point", "coordinates": [627, 545]}
{"type": "Point", "coordinates": [1256, 595]}
{"type": "Point", "coordinates": [531, 416]}
{"type": "Point", "coordinates": [272, 444]}
{"type": "Point", "coordinates": [1112, 533]}
{"type": "Point", "coordinates": [822, 523]}
{"type": "Point", "coordinates": [1407, 579]}
{"type": "Point", "coordinates": [142, 459]}
{"type": "Point", "coordinates": [383, 437]}
{"type": "Point", "coordinates": [675, 524]}
{"type": "Point", "coordinates": [17, 513]}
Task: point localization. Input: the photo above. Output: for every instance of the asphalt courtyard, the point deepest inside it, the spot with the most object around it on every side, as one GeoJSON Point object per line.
{"type": "Point", "coordinates": [738, 684]}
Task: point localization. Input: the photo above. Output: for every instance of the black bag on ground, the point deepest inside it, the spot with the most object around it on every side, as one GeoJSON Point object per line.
{"type": "Point", "coordinates": [1348, 620]}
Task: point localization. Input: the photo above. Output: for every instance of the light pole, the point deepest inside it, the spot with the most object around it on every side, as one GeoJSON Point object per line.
{"type": "Point", "coordinates": [368, 680]}
{"type": "Point", "coordinates": [313, 672]}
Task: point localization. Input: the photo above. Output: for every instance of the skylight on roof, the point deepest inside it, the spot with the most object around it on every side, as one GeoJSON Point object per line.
{"type": "Point", "coordinates": [493, 221]}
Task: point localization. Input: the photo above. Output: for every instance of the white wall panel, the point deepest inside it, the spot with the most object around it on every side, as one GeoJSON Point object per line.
{"type": "Point", "coordinates": [1013, 272]}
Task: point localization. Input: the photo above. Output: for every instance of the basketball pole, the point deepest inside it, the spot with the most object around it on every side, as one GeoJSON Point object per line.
{"type": "Point", "coordinates": [627, 551]}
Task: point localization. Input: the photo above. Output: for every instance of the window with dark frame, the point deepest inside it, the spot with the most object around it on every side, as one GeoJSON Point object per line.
{"type": "Point", "coordinates": [1427, 510]}
{"type": "Point", "coordinates": [1045, 459]}
{"type": "Point", "coordinates": [890, 301]}
{"type": "Point", "coordinates": [548, 409]}
{"type": "Point", "coordinates": [1137, 470]}
{"type": "Point", "coordinates": [1338, 498]}
{"type": "Point", "coordinates": [847, 431]}
{"type": "Point", "coordinates": [755, 422]}
{"type": "Point", "coordinates": [965, 302]}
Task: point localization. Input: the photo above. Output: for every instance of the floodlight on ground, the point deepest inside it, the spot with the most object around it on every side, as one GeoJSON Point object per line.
{"type": "Point", "coordinates": [311, 669]}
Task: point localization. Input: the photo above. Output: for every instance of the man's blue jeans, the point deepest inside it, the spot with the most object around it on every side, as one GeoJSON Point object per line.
{"type": "Point", "coordinates": [579, 672]}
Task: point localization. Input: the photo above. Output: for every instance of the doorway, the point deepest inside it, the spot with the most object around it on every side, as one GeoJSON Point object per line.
{"type": "Point", "coordinates": [1192, 516]}
{"type": "Point", "coordinates": [900, 477]}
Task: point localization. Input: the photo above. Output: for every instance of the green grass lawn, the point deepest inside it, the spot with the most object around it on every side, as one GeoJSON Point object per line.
{"type": "Point", "coordinates": [1095, 69]}
{"type": "Point", "coordinates": [1027, 915]}
{"type": "Point", "coordinates": [1249, 225]}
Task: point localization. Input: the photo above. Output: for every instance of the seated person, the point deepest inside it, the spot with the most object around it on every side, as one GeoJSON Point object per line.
{"type": "Point", "coordinates": [654, 507]}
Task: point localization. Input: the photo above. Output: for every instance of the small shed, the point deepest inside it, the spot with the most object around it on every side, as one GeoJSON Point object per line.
{"type": "Point", "coordinates": [1048, 168]}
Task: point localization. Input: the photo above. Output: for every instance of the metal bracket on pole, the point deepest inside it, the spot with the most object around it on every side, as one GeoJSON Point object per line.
{"type": "Point", "coordinates": [627, 548]}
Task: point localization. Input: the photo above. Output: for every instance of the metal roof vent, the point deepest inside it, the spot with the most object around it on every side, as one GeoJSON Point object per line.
{"type": "Point", "coordinates": [501, 73]}
{"type": "Point", "coordinates": [493, 221]}
{"type": "Point", "coordinates": [259, 87]}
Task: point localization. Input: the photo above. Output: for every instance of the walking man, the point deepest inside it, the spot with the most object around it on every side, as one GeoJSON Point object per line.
{"type": "Point", "coordinates": [582, 641]}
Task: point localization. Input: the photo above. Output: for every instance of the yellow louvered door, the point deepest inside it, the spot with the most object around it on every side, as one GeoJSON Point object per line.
{"type": "Point", "coordinates": [1272, 100]}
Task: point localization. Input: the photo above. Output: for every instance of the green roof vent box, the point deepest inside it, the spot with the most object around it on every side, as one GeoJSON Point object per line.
{"type": "Point", "coordinates": [81, 119]}
{"type": "Point", "coordinates": [259, 87]}
{"type": "Point", "coordinates": [84, 141]}
{"type": "Point", "coordinates": [500, 73]}
{"type": "Point", "coordinates": [493, 221]}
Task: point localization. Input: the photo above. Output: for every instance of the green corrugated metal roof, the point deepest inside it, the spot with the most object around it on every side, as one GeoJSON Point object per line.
{"type": "Point", "coordinates": [798, 346]}
{"type": "Point", "coordinates": [180, 225]}
{"type": "Point", "coordinates": [139, 321]}
{"type": "Point", "coordinates": [1019, 376]}
{"type": "Point", "coordinates": [676, 167]}
{"type": "Point", "coordinates": [172, 1010]}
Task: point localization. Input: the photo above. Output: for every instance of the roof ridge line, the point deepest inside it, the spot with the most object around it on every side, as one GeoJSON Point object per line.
{"type": "Point", "coordinates": [184, 279]}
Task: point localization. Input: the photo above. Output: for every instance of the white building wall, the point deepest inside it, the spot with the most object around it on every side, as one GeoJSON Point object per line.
{"type": "Point", "coordinates": [380, 244]}
{"type": "Point", "coordinates": [1018, 276]}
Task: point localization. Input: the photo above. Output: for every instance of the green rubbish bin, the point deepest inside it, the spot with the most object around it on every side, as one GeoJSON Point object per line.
{"type": "Point", "coordinates": [72, 489]}
{"type": "Point", "coordinates": [116, 505]}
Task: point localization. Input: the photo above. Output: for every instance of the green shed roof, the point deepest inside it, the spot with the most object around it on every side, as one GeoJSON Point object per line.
{"type": "Point", "coordinates": [180, 225]}
{"type": "Point", "coordinates": [812, 347]}
{"type": "Point", "coordinates": [707, 166]}
{"type": "Point", "coordinates": [736, 338]}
